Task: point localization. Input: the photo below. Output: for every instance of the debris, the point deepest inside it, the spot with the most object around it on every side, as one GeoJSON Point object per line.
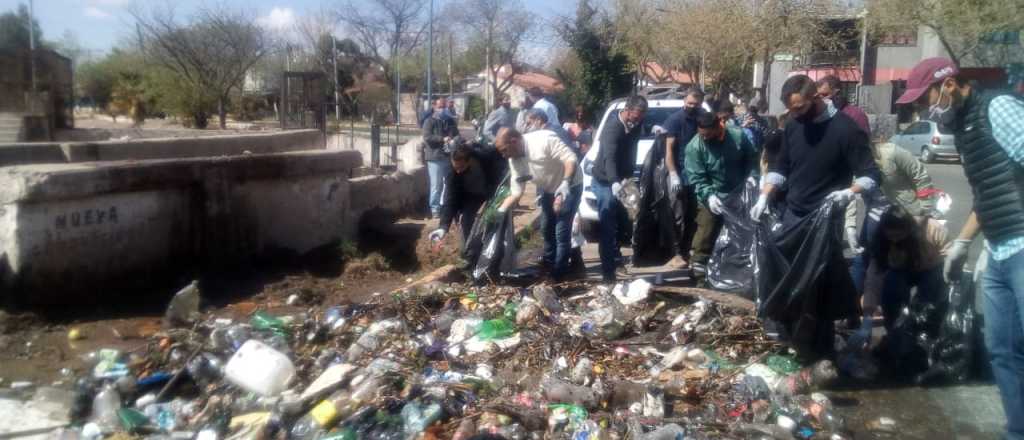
{"type": "Point", "coordinates": [258, 368]}
{"type": "Point", "coordinates": [184, 306]}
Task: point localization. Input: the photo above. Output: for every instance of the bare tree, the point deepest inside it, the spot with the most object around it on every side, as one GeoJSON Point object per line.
{"type": "Point", "coordinates": [211, 52]}
{"type": "Point", "coordinates": [962, 26]}
{"type": "Point", "coordinates": [502, 25]}
{"type": "Point", "coordinates": [386, 29]}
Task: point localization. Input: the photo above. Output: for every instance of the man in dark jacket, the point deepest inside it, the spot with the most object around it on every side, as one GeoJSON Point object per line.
{"type": "Point", "coordinates": [823, 150]}
{"type": "Point", "coordinates": [438, 132]}
{"type": "Point", "coordinates": [680, 127]}
{"type": "Point", "coordinates": [614, 164]}
{"type": "Point", "coordinates": [989, 134]}
{"type": "Point", "coordinates": [463, 191]}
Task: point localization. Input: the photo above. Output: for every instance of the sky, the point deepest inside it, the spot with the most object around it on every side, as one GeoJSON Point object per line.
{"type": "Point", "coordinates": [99, 25]}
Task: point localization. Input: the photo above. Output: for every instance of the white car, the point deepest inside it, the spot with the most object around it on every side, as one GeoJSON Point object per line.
{"type": "Point", "coordinates": [657, 111]}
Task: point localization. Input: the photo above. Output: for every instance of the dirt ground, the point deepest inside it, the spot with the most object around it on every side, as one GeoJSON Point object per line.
{"type": "Point", "coordinates": [35, 345]}
{"type": "Point", "coordinates": [89, 128]}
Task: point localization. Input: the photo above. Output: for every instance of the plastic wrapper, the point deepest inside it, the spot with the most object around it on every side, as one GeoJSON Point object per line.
{"type": "Point", "coordinates": [654, 233]}
{"type": "Point", "coordinates": [731, 268]}
{"type": "Point", "coordinates": [491, 248]}
{"type": "Point", "coordinates": [936, 342]}
{"type": "Point", "coordinates": [802, 279]}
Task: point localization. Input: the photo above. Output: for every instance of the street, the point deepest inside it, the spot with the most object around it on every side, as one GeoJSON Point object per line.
{"type": "Point", "coordinates": [971, 411]}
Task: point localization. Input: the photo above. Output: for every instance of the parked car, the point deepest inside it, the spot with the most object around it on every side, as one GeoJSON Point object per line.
{"type": "Point", "coordinates": [657, 111]}
{"type": "Point", "coordinates": [927, 140]}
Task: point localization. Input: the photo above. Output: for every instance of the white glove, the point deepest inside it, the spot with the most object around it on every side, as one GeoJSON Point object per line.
{"type": "Point", "coordinates": [563, 190]}
{"type": "Point", "coordinates": [752, 181]}
{"type": "Point", "coordinates": [616, 189]}
{"type": "Point", "coordinates": [715, 205]}
{"type": "Point", "coordinates": [842, 197]}
{"type": "Point", "coordinates": [759, 208]}
{"type": "Point", "coordinates": [852, 242]}
{"type": "Point", "coordinates": [502, 210]}
{"type": "Point", "coordinates": [658, 130]}
{"type": "Point", "coordinates": [437, 235]}
{"type": "Point", "coordinates": [675, 184]}
{"type": "Point", "coordinates": [955, 259]}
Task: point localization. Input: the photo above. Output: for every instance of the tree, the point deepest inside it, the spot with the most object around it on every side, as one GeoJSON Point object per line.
{"type": "Point", "coordinates": [211, 53]}
{"type": "Point", "coordinates": [501, 25]}
{"type": "Point", "coordinates": [962, 26]}
{"type": "Point", "coordinates": [387, 30]}
{"type": "Point", "coordinates": [14, 30]}
{"type": "Point", "coordinates": [604, 73]}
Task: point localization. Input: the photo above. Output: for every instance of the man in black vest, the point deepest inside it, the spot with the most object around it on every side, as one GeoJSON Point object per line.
{"type": "Point", "coordinates": [989, 130]}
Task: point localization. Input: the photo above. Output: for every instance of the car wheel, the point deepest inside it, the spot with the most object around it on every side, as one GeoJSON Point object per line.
{"type": "Point", "coordinates": [926, 155]}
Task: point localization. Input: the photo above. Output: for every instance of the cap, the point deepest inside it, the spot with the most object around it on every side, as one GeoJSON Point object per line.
{"type": "Point", "coordinates": [924, 74]}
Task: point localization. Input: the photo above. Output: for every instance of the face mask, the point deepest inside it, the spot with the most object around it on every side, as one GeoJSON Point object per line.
{"type": "Point", "coordinates": [690, 111]}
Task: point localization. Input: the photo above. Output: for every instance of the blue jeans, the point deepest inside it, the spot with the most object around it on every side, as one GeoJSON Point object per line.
{"type": "Point", "coordinates": [557, 229]}
{"type": "Point", "coordinates": [608, 208]}
{"type": "Point", "coordinates": [436, 170]}
{"type": "Point", "coordinates": [1003, 285]}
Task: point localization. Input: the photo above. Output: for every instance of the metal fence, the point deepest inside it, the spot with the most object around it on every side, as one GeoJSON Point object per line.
{"type": "Point", "coordinates": [378, 142]}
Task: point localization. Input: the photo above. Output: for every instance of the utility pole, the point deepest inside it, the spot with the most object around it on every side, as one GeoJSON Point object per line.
{"type": "Point", "coordinates": [334, 56]}
{"type": "Point", "coordinates": [451, 82]}
{"type": "Point", "coordinates": [430, 54]}
{"type": "Point", "coordinates": [32, 45]}
{"type": "Point", "coordinates": [398, 89]}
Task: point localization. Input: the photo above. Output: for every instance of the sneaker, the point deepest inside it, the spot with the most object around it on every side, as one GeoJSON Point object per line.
{"type": "Point", "coordinates": [699, 269]}
{"type": "Point", "coordinates": [678, 263]}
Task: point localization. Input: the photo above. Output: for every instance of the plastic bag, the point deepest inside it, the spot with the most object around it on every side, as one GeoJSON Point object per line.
{"type": "Point", "coordinates": [654, 233]}
{"type": "Point", "coordinates": [731, 268]}
{"type": "Point", "coordinates": [491, 248]}
{"type": "Point", "coordinates": [950, 353]}
{"type": "Point", "coordinates": [801, 276]}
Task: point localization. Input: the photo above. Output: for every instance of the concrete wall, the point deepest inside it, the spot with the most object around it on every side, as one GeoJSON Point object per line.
{"type": "Point", "coordinates": [68, 232]}
{"type": "Point", "coordinates": [165, 148]}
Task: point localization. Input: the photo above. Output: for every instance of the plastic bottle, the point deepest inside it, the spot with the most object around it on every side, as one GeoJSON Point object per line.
{"type": "Point", "coordinates": [671, 431]}
{"type": "Point", "coordinates": [104, 408]}
{"type": "Point", "coordinates": [330, 411]}
{"type": "Point", "coordinates": [266, 322]}
{"type": "Point", "coordinates": [260, 369]}
{"type": "Point", "coordinates": [184, 306]}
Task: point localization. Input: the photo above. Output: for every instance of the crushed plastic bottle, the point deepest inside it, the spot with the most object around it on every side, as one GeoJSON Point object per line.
{"type": "Point", "coordinates": [417, 417]}
{"type": "Point", "coordinates": [371, 339]}
{"type": "Point", "coordinates": [492, 329]}
{"type": "Point", "coordinates": [184, 306]}
{"type": "Point", "coordinates": [264, 321]}
{"type": "Point", "coordinates": [671, 431]}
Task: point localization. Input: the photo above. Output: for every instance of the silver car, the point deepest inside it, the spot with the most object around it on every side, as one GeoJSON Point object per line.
{"type": "Point", "coordinates": [927, 140]}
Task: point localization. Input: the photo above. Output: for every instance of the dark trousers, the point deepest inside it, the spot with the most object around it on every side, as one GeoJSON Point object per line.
{"type": "Point", "coordinates": [557, 229]}
{"type": "Point", "coordinates": [467, 217]}
{"type": "Point", "coordinates": [686, 220]}
{"type": "Point", "coordinates": [896, 290]}
{"type": "Point", "coordinates": [708, 227]}
{"type": "Point", "coordinates": [609, 215]}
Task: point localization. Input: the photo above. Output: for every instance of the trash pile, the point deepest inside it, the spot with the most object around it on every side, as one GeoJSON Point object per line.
{"type": "Point", "coordinates": [456, 361]}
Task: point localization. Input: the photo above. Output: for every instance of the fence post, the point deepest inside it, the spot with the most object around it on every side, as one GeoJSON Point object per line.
{"type": "Point", "coordinates": [375, 146]}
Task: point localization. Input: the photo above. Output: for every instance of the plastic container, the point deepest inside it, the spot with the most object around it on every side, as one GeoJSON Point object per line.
{"type": "Point", "coordinates": [184, 306]}
{"type": "Point", "coordinates": [258, 368]}
{"type": "Point", "coordinates": [104, 409]}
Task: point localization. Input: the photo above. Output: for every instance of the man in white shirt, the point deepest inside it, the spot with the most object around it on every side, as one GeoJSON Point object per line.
{"type": "Point", "coordinates": [541, 156]}
{"type": "Point", "coordinates": [540, 102]}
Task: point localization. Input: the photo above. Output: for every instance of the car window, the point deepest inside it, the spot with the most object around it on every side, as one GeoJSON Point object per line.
{"type": "Point", "coordinates": [944, 129]}
{"type": "Point", "coordinates": [916, 128]}
{"type": "Point", "coordinates": [654, 116]}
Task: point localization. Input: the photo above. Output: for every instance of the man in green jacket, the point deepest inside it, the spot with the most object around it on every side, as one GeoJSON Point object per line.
{"type": "Point", "coordinates": [718, 161]}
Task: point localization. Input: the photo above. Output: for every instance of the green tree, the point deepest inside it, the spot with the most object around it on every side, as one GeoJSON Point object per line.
{"type": "Point", "coordinates": [14, 30]}
{"type": "Point", "coordinates": [603, 72]}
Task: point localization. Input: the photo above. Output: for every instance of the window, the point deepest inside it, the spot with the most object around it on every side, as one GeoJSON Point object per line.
{"type": "Point", "coordinates": [899, 38]}
{"type": "Point", "coordinates": [917, 128]}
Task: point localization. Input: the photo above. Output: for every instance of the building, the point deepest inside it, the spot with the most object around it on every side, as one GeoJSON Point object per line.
{"type": "Point", "coordinates": [876, 76]}
{"type": "Point", "coordinates": [27, 115]}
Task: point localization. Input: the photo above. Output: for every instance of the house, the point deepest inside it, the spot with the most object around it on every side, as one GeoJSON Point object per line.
{"type": "Point", "coordinates": [32, 115]}
{"type": "Point", "coordinates": [875, 76]}
{"type": "Point", "coordinates": [521, 83]}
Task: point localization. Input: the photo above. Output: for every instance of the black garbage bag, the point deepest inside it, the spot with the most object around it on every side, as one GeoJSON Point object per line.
{"type": "Point", "coordinates": [731, 268]}
{"type": "Point", "coordinates": [654, 235]}
{"type": "Point", "coordinates": [950, 355]}
{"type": "Point", "coordinates": [801, 276]}
{"type": "Point", "coordinates": [491, 248]}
